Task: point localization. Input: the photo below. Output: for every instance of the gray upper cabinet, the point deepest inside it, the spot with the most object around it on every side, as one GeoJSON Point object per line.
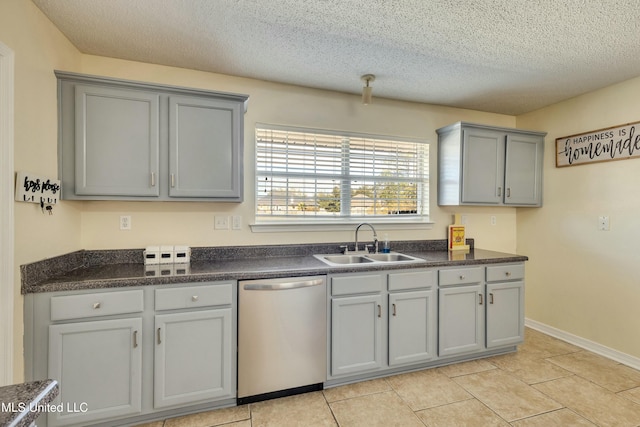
{"type": "Point", "coordinates": [123, 140]}
{"type": "Point", "coordinates": [117, 142]}
{"type": "Point", "coordinates": [484, 165]}
{"type": "Point", "coordinates": [204, 158]}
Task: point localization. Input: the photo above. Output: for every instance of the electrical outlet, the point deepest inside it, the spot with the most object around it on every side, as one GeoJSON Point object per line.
{"type": "Point", "coordinates": [494, 221]}
{"type": "Point", "coordinates": [603, 223]}
{"type": "Point", "coordinates": [221, 222]}
{"type": "Point", "coordinates": [464, 219]}
{"type": "Point", "coordinates": [125, 222]}
{"type": "Point", "coordinates": [236, 222]}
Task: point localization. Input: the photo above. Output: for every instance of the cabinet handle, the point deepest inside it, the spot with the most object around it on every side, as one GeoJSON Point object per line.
{"type": "Point", "coordinates": [507, 273]}
{"type": "Point", "coordinates": [379, 310]}
{"type": "Point", "coordinates": [173, 180]}
{"type": "Point", "coordinates": [96, 305]}
{"type": "Point", "coordinates": [194, 298]}
{"type": "Point", "coordinates": [508, 192]}
{"type": "Point", "coordinates": [499, 191]}
{"type": "Point", "coordinates": [491, 298]}
{"type": "Point", "coordinates": [394, 309]}
{"type": "Point", "coordinates": [462, 277]}
{"type": "Point", "coordinates": [159, 340]}
{"type": "Point", "coordinates": [135, 339]}
{"type": "Point", "coordinates": [153, 179]}
{"type": "Point", "coordinates": [480, 299]}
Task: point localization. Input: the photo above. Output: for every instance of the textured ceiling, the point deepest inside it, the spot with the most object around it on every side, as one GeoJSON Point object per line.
{"type": "Point", "coordinates": [504, 56]}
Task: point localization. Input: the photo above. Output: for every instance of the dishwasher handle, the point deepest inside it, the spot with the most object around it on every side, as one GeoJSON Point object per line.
{"type": "Point", "coordinates": [282, 286]}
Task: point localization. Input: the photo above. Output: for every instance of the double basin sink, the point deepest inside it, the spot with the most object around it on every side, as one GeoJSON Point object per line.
{"type": "Point", "coordinates": [367, 259]}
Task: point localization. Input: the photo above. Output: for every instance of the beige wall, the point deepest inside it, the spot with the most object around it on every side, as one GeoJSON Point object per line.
{"type": "Point", "coordinates": [39, 48]}
{"type": "Point", "coordinates": [581, 280]}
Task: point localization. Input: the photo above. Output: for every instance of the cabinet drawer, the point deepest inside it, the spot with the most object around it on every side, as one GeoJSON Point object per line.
{"type": "Point", "coordinates": [96, 304]}
{"type": "Point", "coordinates": [461, 276]}
{"type": "Point", "coordinates": [500, 273]}
{"type": "Point", "coordinates": [361, 284]}
{"type": "Point", "coordinates": [412, 280]}
{"type": "Point", "coordinates": [194, 296]}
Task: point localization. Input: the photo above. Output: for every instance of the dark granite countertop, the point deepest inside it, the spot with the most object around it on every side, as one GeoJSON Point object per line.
{"type": "Point", "coordinates": [109, 269]}
{"type": "Point", "coordinates": [23, 403]}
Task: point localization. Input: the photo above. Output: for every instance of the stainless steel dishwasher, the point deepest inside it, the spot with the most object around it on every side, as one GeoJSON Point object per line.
{"type": "Point", "coordinates": [282, 337]}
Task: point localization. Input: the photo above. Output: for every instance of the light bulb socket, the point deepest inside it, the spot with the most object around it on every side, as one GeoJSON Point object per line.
{"type": "Point", "coordinates": [367, 90]}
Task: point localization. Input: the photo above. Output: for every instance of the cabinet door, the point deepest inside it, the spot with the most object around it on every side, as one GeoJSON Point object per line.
{"type": "Point", "coordinates": [412, 327]}
{"type": "Point", "coordinates": [482, 166]}
{"type": "Point", "coordinates": [356, 334]}
{"type": "Point", "coordinates": [523, 170]}
{"type": "Point", "coordinates": [461, 314]}
{"type": "Point", "coordinates": [505, 314]}
{"type": "Point", "coordinates": [205, 148]}
{"type": "Point", "coordinates": [98, 367]}
{"type": "Point", "coordinates": [116, 142]}
{"type": "Point", "coordinates": [193, 354]}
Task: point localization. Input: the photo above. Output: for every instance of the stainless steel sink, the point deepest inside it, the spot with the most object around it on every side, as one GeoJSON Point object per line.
{"type": "Point", "coordinates": [390, 257]}
{"type": "Point", "coordinates": [367, 259]}
{"type": "Point", "coordinates": [345, 259]}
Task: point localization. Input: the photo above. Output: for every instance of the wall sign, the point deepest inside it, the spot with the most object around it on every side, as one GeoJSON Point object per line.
{"type": "Point", "coordinates": [616, 143]}
{"type": "Point", "coordinates": [37, 189]}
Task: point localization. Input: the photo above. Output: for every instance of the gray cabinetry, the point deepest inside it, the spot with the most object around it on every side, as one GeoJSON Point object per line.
{"type": "Point", "coordinates": [98, 363]}
{"type": "Point", "coordinates": [505, 305]}
{"type": "Point", "coordinates": [461, 311]}
{"type": "Point", "coordinates": [124, 356]}
{"type": "Point", "coordinates": [356, 323]}
{"type": "Point", "coordinates": [382, 320]}
{"type": "Point", "coordinates": [117, 141]}
{"type": "Point", "coordinates": [193, 349]}
{"type": "Point", "coordinates": [412, 317]}
{"type": "Point", "coordinates": [204, 153]}
{"type": "Point", "coordinates": [485, 165]}
{"type": "Point", "coordinates": [123, 140]}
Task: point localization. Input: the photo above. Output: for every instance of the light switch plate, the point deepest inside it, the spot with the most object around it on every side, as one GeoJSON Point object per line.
{"type": "Point", "coordinates": [221, 222]}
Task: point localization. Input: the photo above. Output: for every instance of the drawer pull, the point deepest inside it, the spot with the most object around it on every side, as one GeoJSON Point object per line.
{"type": "Point", "coordinates": [507, 273]}
{"type": "Point", "coordinates": [135, 339]}
{"type": "Point", "coordinates": [462, 277]}
{"type": "Point", "coordinates": [394, 309]}
{"type": "Point", "coordinates": [491, 298]}
{"type": "Point", "coordinates": [96, 305]}
{"type": "Point", "coordinates": [194, 298]}
{"type": "Point", "coordinates": [480, 295]}
{"type": "Point", "coordinates": [159, 340]}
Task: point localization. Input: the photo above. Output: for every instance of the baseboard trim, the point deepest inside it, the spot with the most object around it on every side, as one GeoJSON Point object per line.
{"type": "Point", "coordinates": [625, 359]}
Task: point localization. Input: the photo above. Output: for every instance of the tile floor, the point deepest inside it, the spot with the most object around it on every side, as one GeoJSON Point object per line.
{"type": "Point", "coordinates": [548, 382]}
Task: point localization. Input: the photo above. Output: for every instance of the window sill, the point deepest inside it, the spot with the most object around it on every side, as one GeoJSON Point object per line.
{"type": "Point", "coordinates": [276, 227]}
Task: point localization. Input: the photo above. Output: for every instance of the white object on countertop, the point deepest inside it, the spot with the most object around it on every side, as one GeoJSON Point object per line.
{"type": "Point", "coordinates": [166, 255]}
{"type": "Point", "coordinates": [152, 255]}
{"type": "Point", "coordinates": [181, 254]}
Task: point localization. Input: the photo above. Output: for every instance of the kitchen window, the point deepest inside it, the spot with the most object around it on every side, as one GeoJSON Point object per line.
{"type": "Point", "coordinates": [311, 176]}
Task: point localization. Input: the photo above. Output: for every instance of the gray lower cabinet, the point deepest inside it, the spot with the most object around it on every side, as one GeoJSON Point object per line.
{"type": "Point", "coordinates": [461, 314]}
{"type": "Point", "coordinates": [505, 305]}
{"type": "Point", "coordinates": [381, 320]}
{"type": "Point", "coordinates": [487, 165]}
{"type": "Point", "coordinates": [123, 140]}
{"type": "Point", "coordinates": [192, 357]}
{"type": "Point", "coordinates": [480, 308]}
{"type": "Point", "coordinates": [412, 313]}
{"type": "Point", "coordinates": [98, 365]}
{"type": "Point", "coordinates": [120, 355]}
{"type": "Point", "coordinates": [356, 323]}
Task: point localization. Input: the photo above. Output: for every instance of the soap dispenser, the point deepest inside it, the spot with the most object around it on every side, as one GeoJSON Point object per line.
{"type": "Point", "coordinates": [386, 246]}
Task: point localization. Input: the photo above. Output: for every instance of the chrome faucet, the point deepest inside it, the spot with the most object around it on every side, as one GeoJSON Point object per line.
{"type": "Point", "coordinates": [375, 237]}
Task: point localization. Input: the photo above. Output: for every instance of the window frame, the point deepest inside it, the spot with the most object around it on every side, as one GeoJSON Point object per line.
{"type": "Point", "coordinates": [340, 222]}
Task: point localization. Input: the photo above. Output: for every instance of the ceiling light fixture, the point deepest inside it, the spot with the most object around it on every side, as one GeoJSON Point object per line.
{"type": "Point", "coordinates": [366, 90]}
